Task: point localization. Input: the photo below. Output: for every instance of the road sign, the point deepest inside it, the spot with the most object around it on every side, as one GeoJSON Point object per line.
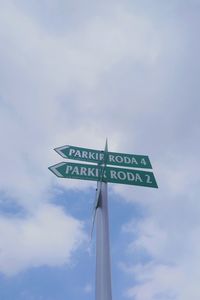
{"type": "Point", "coordinates": [130, 176]}
{"type": "Point", "coordinates": [102, 173]}
{"type": "Point", "coordinates": [111, 174]}
{"type": "Point", "coordinates": [97, 156]}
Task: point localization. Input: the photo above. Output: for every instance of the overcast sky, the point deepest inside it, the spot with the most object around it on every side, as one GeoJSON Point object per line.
{"type": "Point", "coordinates": [76, 72]}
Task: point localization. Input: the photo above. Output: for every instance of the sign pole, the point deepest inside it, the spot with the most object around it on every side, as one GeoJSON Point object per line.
{"type": "Point", "coordinates": [103, 265]}
{"type": "Point", "coordinates": [103, 174]}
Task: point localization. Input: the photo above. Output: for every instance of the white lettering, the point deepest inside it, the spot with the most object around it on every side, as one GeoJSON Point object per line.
{"type": "Point", "coordinates": [84, 154]}
{"type": "Point", "coordinates": [148, 179]}
{"type": "Point", "coordinates": [137, 177]}
{"type": "Point", "coordinates": [91, 172]}
{"type": "Point", "coordinates": [113, 174]}
{"type": "Point", "coordinates": [75, 171]}
{"type": "Point", "coordinates": [134, 161]}
{"type": "Point", "coordinates": [83, 171]}
{"type": "Point", "coordinates": [77, 153]}
{"type": "Point", "coordinates": [130, 176]}
{"type": "Point", "coordinates": [119, 159]}
{"type": "Point", "coordinates": [101, 156]}
{"type": "Point", "coordinates": [68, 169]}
{"type": "Point", "coordinates": [127, 160]}
{"type": "Point", "coordinates": [91, 155]}
{"type": "Point", "coordinates": [71, 151]}
{"type": "Point", "coordinates": [143, 162]}
{"type": "Point", "coordinates": [111, 158]}
{"type": "Point", "coordinates": [121, 175]}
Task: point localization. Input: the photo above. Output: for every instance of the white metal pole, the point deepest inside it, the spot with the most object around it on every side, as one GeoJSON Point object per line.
{"type": "Point", "coordinates": [103, 265]}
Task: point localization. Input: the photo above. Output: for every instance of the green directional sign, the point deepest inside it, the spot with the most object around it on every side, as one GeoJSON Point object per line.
{"type": "Point", "coordinates": [111, 174]}
{"type": "Point", "coordinates": [97, 156]}
{"type": "Point", "coordinates": [131, 177]}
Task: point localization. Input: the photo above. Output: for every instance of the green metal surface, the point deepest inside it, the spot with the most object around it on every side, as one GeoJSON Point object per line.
{"type": "Point", "coordinates": [111, 174]}
{"type": "Point", "coordinates": [97, 156]}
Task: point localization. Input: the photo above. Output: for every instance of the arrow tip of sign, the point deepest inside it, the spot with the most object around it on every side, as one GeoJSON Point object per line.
{"type": "Point", "coordinates": [60, 152]}
{"type": "Point", "coordinates": [54, 169]}
{"type": "Point", "coordinates": [56, 149]}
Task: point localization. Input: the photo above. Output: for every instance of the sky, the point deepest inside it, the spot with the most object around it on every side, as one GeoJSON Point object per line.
{"type": "Point", "coordinates": [76, 73]}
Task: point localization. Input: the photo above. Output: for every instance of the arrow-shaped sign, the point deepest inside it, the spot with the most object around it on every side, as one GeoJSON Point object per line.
{"type": "Point", "coordinates": [111, 174]}
{"type": "Point", "coordinates": [97, 156]}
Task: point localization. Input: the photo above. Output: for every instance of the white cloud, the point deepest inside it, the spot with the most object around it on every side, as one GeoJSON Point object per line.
{"type": "Point", "coordinates": [55, 95]}
{"type": "Point", "coordinates": [47, 237]}
{"type": "Point", "coordinates": [167, 282]}
{"type": "Point", "coordinates": [156, 282]}
{"type": "Point", "coordinates": [169, 238]}
{"type": "Point", "coordinates": [129, 73]}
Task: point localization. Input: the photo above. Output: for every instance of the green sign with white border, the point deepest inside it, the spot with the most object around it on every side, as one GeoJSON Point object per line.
{"type": "Point", "coordinates": [97, 156]}
{"type": "Point", "coordinates": [106, 174]}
